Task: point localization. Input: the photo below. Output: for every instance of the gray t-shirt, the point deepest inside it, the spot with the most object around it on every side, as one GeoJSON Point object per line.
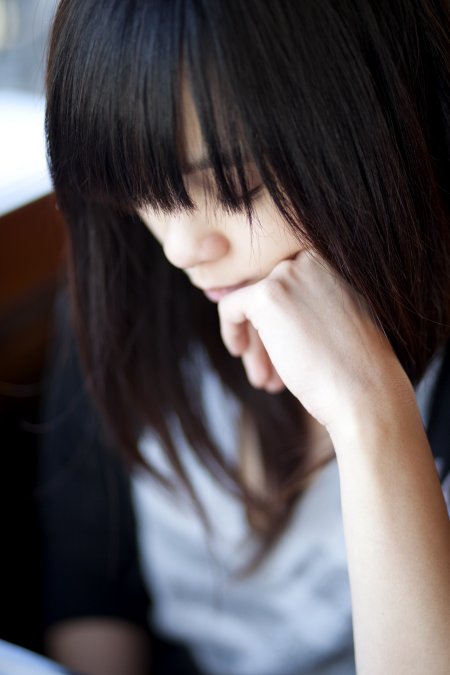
{"type": "Point", "coordinates": [290, 617]}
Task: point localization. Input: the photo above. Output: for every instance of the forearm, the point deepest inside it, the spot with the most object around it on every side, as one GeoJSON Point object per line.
{"type": "Point", "coordinates": [398, 542]}
{"type": "Point", "coordinates": [100, 646]}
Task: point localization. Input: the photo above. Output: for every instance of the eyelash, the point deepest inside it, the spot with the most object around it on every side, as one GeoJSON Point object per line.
{"type": "Point", "coordinates": [251, 194]}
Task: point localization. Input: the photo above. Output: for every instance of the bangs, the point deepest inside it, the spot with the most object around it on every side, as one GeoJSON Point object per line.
{"type": "Point", "coordinates": [124, 127]}
{"type": "Point", "coordinates": [120, 74]}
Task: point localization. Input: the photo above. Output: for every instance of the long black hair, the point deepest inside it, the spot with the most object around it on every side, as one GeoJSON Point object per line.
{"type": "Point", "coordinates": [345, 109]}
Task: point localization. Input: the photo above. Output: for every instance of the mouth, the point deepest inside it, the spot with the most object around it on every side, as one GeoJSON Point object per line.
{"type": "Point", "coordinates": [216, 294]}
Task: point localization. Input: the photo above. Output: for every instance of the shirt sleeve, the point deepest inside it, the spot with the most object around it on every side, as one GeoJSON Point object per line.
{"type": "Point", "coordinates": [86, 520]}
{"type": "Point", "coordinates": [438, 427]}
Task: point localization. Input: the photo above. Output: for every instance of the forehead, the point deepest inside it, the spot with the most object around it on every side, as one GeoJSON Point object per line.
{"type": "Point", "coordinates": [193, 151]}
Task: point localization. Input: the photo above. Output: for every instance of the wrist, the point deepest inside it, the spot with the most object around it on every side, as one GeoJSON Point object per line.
{"type": "Point", "coordinates": [375, 419]}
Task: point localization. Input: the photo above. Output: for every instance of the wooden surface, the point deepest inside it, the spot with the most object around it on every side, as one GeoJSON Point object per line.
{"type": "Point", "coordinates": [31, 269]}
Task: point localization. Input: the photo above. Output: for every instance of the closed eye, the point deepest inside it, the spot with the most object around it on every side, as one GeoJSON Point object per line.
{"type": "Point", "coordinates": [250, 195]}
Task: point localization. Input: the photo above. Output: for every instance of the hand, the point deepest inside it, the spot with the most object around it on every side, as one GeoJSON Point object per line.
{"type": "Point", "coordinates": [303, 327]}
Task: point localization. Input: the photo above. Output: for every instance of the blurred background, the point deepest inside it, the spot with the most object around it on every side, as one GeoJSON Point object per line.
{"type": "Point", "coordinates": [31, 271]}
{"type": "Point", "coordinates": [23, 35]}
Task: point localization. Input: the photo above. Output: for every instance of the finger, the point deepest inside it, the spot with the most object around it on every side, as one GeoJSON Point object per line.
{"type": "Point", "coordinates": [262, 375]}
{"type": "Point", "coordinates": [259, 368]}
{"type": "Point", "coordinates": [234, 322]}
{"type": "Point", "coordinates": [256, 360]}
{"type": "Point", "coordinates": [275, 384]}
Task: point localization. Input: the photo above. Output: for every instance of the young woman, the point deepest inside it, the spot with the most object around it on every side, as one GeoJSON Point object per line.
{"type": "Point", "coordinates": [257, 201]}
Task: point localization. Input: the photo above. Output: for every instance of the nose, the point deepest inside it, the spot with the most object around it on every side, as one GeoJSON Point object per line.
{"type": "Point", "coordinates": [187, 243]}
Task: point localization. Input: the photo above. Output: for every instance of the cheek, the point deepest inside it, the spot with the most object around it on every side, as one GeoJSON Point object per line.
{"type": "Point", "coordinates": [153, 224]}
{"type": "Point", "coordinates": [273, 237]}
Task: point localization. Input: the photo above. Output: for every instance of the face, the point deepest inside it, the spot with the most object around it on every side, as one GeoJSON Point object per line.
{"type": "Point", "coordinates": [217, 250]}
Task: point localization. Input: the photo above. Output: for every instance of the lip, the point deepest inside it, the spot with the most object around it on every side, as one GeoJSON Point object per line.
{"type": "Point", "coordinates": [216, 294]}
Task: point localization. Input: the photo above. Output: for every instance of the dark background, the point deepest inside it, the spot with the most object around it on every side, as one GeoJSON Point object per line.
{"type": "Point", "coordinates": [31, 271]}
{"type": "Point", "coordinates": [31, 244]}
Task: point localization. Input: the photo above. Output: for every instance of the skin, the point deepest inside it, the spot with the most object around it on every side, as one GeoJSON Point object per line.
{"type": "Point", "coordinates": [299, 325]}
{"type": "Point", "coordinates": [100, 646]}
{"type": "Point", "coordinates": [216, 249]}
{"type": "Point", "coordinates": [213, 248]}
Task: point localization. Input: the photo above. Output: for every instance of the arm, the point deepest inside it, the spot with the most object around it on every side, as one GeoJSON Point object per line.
{"type": "Point", "coordinates": [94, 600]}
{"type": "Point", "coordinates": [398, 541]}
{"type": "Point", "coordinates": [315, 335]}
{"type": "Point", "coordinates": [100, 646]}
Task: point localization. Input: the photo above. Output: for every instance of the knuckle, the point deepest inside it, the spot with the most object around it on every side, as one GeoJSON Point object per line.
{"type": "Point", "coordinates": [283, 267]}
{"type": "Point", "coordinates": [275, 288]}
